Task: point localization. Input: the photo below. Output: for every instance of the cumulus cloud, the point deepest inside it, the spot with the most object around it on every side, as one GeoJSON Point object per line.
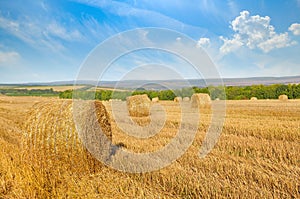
{"type": "Point", "coordinates": [8, 57]}
{"type": "Point", "coordinates": [230, 44]}
{"type": "Point", "coordinates": [295, 28]}
{"type": "Point", "coordinates": [254, 32]}
{"type": "Point", "coordinates": [277, 41]}
{"type": "Point", "coordinates": [203, 42]}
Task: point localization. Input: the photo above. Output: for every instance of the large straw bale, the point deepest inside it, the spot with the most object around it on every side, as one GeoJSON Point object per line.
{"type": "Point", "coordinates": [138, 105]}
{"type": "Point", "coordinates": [50, 133]}
{"type": "Point", "coordinates": [253, 98]}
{"type": "Point", "coordinates": [178, 99]}
{"type": "Point", "coordinates": [155, 99]}
{"type": "Point", "coordinates": [283, 97]}
{"type": "Point", "coordinates": [186, 99]}
{"type": "Point", "coordinates": [200, 100]}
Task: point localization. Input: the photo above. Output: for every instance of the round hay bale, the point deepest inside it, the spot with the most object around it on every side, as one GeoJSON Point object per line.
{"type": "Point", "coordinates": [138, 105]}
{"type": "Point", "coordinates": [200, 100]}
{"type": "Point", "coordinates": [253, 98]}
{"type": "Point", "coordinates": [217, 99]}
{"type": "Point", "coordinates": [51, 137]}
{"type": "Point", "coordinates": [155, 99]}
{"type": "Point", "coordinates": [178, 99]}
{"type": "Point", "coordinates": [283, 97]}
{"type": "Point", "coordinates": [186, 99]}
{"type": "Point", "coordinates": [114, 100]}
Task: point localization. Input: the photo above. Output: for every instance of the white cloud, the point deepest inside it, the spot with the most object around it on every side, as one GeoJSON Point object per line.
{"type": "Point", "coordinates": [8, 24]}
{"type": "Point", "coordinates": [254, 32]}
{"type": "Point", "coordinates": [39, 35]}
{"type": "Point", "coordinates": [59, 31]}
{"type": "Point", "coordinates": [230, 44]}
{"type": "Point", "coordinates": [203, 42]}
{"type": "Point", "coordinates": [150, 18]}
{"type": "Point", "coordinates": [277, 41]}
{"type": "Point", "coordinates": [8, 57]}
{"type": "Point", "coordinates": [295, 28]}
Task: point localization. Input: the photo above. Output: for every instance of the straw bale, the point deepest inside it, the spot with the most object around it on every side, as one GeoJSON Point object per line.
{"type": "Point", "coordinates": [200, 100]}
{"type": "Point", "coordinates": [178, 99]}
{"type": "Point", "coordinates": [138, 105]}
{"type": "Point", "coordinates": [283, 97]}
{"type": "Point", "coordinates": [155, 99]}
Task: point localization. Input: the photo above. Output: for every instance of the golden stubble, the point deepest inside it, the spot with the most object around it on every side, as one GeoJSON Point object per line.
{"type": "Point", "coordinates": [257, 156]}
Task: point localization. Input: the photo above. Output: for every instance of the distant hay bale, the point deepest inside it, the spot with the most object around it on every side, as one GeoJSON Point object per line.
{"type": "Point", "coordinates": [217, 99]}
{"type": "Point", "coordinates": [178, 99]}
{"type": "Point", "coordinates": [138, 105]}
{"type": "Point", "coordinates": [50, 133]}
{"type": "Point", "coordinates": [155, 99]}
{"type": "Point", "coordinates": [114, 100]}
{"type": "Point", "coordinates": [186, 99]}
{"type": "Point", "coordinates": [253, 98]}
{"type": "Point", "coordinates": [283, 97]}
{"type": "Point", "coordinates": [200, 100]}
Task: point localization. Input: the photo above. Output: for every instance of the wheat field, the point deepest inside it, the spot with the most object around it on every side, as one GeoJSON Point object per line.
{"type": "Point", "coordinates": [257, 156]}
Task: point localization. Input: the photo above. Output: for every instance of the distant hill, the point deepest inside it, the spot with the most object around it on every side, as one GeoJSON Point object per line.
{"type": "Point", "coordinates": [172, 84]}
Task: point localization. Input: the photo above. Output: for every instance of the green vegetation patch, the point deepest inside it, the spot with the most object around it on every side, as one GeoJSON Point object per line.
{"type": "Point", "coordinates": [232, 92]}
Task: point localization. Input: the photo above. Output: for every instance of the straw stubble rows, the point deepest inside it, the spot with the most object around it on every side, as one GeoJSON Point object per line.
{"type": "Point", "coordinates": [256, 156]}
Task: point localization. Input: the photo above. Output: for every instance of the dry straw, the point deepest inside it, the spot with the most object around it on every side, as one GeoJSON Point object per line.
{"type": "Point", "coordinates": [114, 100]}
{"type": "Point", "coordinates": [200, 100]}
{"type": "Point", "coordinates": [51, 136]}
{"type": "Point", "coordinates": [138, 105]}
{"type": "Point", "coordinates": [283, 97]}
{"type": "Point", "coordinates": [178, 99]}
{"type": "Point", "coordinates": [155, 99]}
{"type": "Point", "coordinates": [186, 99]}
{"type": "Point", "coordinates": [253, 98]}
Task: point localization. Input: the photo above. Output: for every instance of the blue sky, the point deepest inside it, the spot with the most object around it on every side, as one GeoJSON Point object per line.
{"type": "Point", "coordinates": [49, 40]}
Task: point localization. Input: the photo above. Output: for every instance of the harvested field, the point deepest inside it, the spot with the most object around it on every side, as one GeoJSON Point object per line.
{"type": "Point", "coordinates": [55, 88]}
{"type": "Point", "coordinates": [257, 155]}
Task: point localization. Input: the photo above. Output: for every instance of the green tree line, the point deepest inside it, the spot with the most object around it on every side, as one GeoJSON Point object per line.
{"type": "Point", "coordinates": [229, 92]}
{"type": "Point", "coordinates": [263, 91]}
{"type": "Point", "coordinates": [26, 92]}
